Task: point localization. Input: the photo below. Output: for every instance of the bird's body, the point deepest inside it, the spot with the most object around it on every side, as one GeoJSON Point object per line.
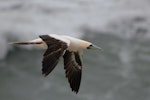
{"type": "Point", "coordinates": [58, 46]}
{"type": "Point", "coordinates": [73, 44]}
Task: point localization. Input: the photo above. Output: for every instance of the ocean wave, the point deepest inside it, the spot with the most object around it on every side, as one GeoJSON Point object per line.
{"type": "Point", "coordinates": [130, 28]}
{"type": "Point", "coordinates": [21, 20]}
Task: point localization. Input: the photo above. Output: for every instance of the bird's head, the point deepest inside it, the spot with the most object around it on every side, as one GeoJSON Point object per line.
{"type": "Point", "coordinates": [89, 45]}
{"type": "Point", "coordinates": [92, 46]}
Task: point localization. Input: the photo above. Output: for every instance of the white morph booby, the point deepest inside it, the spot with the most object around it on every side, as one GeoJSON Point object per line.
{"type": "Point", "coordinates": [69, 48]}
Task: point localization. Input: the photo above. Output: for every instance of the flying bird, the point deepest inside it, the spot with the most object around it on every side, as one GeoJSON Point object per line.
{"type": "Point", "coordinates": [57, 46]}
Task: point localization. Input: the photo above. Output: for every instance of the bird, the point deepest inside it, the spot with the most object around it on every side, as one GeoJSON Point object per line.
{"type": "Point", "coordinates": [66, 47]}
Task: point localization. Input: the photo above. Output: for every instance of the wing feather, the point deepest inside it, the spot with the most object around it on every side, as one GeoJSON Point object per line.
{"type": "Point", "coordinates": [54, 52]}
{"type": "Point", "coordinates": [73, 67]}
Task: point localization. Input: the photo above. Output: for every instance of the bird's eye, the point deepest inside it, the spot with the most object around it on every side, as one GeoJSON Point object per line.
{"type": "Point", "coordinates": [90, 46]}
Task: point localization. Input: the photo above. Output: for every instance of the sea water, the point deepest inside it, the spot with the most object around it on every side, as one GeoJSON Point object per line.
{"type": "Point", "coordinates": [120, 27]}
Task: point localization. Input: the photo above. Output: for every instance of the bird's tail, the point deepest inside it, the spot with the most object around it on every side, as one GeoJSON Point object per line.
{"type": "Point", "coordinates": [25, 43]}
{"type": "Point", "coordinates": [35, 41]}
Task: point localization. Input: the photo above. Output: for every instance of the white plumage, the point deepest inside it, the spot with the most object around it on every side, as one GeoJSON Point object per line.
{"type": "Point", "coordinates": [69, 48]}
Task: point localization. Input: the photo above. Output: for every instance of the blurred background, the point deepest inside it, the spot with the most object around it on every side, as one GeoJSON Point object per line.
{"type": "Point", "coordinates": [120, 27]}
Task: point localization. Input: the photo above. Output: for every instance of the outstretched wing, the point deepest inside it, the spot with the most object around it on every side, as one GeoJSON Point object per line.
{"type": "Point", "coordinates": [73, 67]}
{"type": "Point", "coordinates": [54, 52]}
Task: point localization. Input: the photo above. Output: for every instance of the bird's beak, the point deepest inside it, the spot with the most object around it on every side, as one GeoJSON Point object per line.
{"type": "Point", "coordinates": [96, 47]}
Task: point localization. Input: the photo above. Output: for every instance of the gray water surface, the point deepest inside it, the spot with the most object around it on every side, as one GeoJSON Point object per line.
{"type": "Point", "coordinates": [120, 27]}
{"type": "Point", "coordinates": [120, 72]}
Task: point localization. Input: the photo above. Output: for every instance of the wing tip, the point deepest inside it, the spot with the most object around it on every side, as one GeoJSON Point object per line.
{"type": "Point", "coordinates": [75, 91]}
{"type": "Point", "coordinates": [44, 74]}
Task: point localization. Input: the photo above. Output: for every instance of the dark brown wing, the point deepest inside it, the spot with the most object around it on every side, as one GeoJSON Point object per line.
{"type": "Point", "coordinates": [73, 67]}
{"type": "Point", "coordinates": [56, 49]}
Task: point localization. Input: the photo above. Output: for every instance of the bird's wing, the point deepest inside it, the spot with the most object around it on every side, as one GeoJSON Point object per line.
{"type": "Point", "coordinates": [73, 67]}
{"type": "Point", "coordinates": [54, 52]}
